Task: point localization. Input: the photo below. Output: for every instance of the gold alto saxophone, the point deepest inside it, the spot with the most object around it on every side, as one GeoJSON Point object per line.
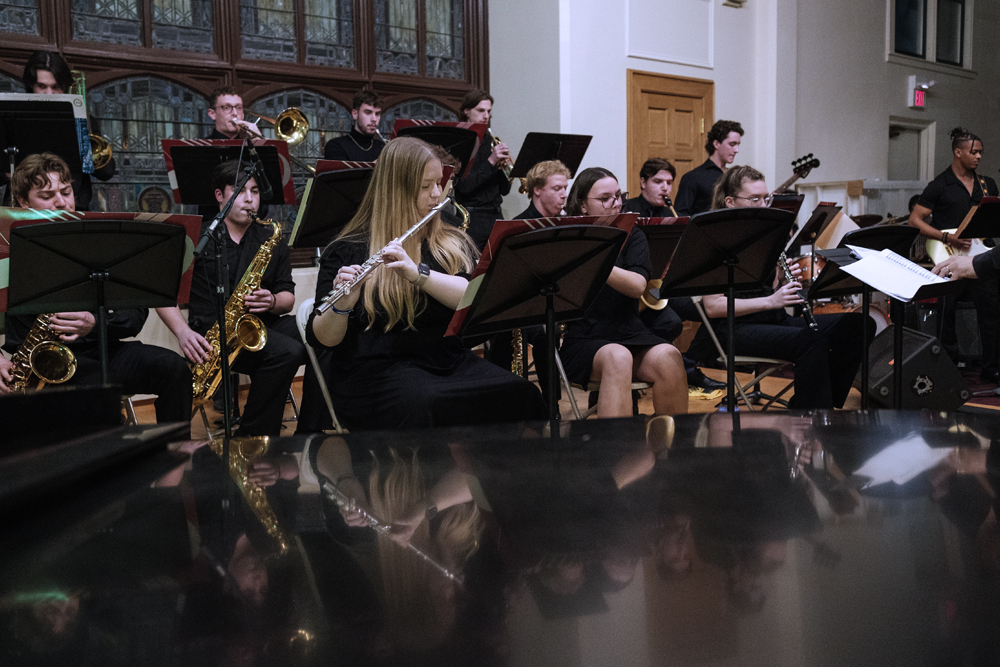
{"type": "Point", "coordinates": [244, 331]}
{"type": "Point", "coordinates": [42, 355]}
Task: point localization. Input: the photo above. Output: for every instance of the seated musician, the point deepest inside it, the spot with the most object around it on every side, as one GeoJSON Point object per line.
{"type": "Point", "coordinates": [546, 184]}
{"type": "Point", "coordinates": [43, 182]}
{"type": "Point", "coordinates": [362, 143]}
{"type": "Point", "coordinates": [391, 366]}
{"type": "Point", "coordinates": [827, 359]}
{"type": "Point", "coordinates": [656, 177]}
{"type": "Point", "coordinates": [611, 344]}
{"type": "Point", "coordinates": [46, 73]}
{"type": "Point", "coordinates": [272, 368]}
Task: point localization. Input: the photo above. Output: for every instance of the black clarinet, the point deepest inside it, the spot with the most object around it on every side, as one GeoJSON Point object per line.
{"type": "Point", "coordinates": [807, 310]}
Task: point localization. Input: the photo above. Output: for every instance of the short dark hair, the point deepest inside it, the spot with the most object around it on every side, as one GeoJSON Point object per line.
{"type": "Point", "coordinates": [719, 132]}
{"type": "Point", "coordinates": [225, 174]}
{"type": "Point", "coordinates": [960, 135]}
{"type": "Point", "coordinates": [366, 96]}
{"type": "Point", "coordinates": [582, 185]}
{"type": "Point", "coordinates": [731, 182]}
{"type": "Point", "coordinates": [655, 165]}
{"type": "Point", "coordinates": [33, 172]}
{"type": "Point", "coordinates": [219, 92]}
{"type": "Point", "coordinates": [49, 61]}
{"type": "Point", "coordinates": [472, 99]}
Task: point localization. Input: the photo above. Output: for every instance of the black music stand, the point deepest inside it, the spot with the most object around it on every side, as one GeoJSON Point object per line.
{"type": "Point", "coordinates": [833, 281]}
{"type": "Point", "coordinates": [460, 142]}
{"type": "Point", "coordinates": [94, 265]}
{"type": "Point", "coordinates": [541, 146]}
{"type": "Point", "coordinates": [897, 314]}
{"type": "Point", "coordinates": [41, 123]}
{"type": "Point", "coordinates": [817, 223]}
{"type": "Point", "coordinates": [544, 276]}
{"type": "Point", "coordinates": [193, 166]}
{"type": "Point", "coordinates": [663, 235]}
{"type": "Point", "coordinates": [722, 251]}
{"type": "Point", "coordinates": [329, 202]}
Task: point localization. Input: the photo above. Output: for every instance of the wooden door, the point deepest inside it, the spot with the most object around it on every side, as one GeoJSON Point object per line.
{"type": "Point", "coordinates": [668, 117]}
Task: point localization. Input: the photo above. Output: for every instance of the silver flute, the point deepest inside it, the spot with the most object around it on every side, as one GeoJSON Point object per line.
{"type": "Point", "coordinates": [343, 500]}
{"type": "Point", "coordinates": [807, 310]}
{"type": "Point", "coordinates": [374, 262]}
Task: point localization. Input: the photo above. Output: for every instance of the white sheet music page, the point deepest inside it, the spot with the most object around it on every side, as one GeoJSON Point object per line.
{"type": "Point", "coordinates": [890, 273]}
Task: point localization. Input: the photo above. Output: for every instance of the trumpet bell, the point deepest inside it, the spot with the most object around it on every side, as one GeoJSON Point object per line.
{"type": "Point", "coordinates": [100, 150]}
{"type": "Point", "coordinates": [52, 362]}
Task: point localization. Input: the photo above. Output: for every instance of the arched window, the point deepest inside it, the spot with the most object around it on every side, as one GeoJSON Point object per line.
{"type": "Point", "coordinates": [9, 84]}
{"type": "Point", "coordinates": [418, 109]}
{"type": "Point", "coordinates": [135, 114]}
{"type": "Point", "coordinates": [19, 17]}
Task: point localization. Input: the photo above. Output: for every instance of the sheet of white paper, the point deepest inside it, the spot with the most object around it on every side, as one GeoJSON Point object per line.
{"type": "Point", "coordinates": [888, 275]}
{"type": "Point", "coordinates": [901, 461]}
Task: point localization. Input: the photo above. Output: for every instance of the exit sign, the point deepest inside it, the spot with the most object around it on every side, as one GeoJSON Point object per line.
{"type": "Point", "coordinates": [918, 98]}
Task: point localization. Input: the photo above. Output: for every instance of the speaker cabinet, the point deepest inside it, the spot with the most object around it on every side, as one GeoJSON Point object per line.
{"type": "Point", "coordinates": [930, 378]}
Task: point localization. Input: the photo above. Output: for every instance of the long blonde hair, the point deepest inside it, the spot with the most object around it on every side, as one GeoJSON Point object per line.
{"type": "Point", "coordinates": [388, 209]}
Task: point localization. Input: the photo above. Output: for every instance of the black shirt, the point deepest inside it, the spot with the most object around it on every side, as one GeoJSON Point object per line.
{"type": "Point", "coordinates": [354, 147]}
{"type": "Point", "coordinates": [277, 276]}
{"type": "Point", "coordinates": [530, 213]}
{"type": "Point", "coordinates": [987, 264]}
{"type": "Point", "coordinates": [122, 323]}
{"type": "Point", "coordinates": [486, 185]}
{"type": "Point", "coordinates": [948, 199]}
{"type": "Point", "coordinates": [642, 206]}
{"type": "Point", "coordinates": [694, 194]}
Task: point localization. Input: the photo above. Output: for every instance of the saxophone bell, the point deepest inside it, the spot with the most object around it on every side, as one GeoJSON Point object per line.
{"type": "Point", "coordinates": [52, 362]}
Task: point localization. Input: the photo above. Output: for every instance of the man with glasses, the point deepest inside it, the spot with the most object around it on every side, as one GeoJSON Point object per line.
{"type": "Point", "coordinates": [694, 194]}
{"type": "Point", "coordinates": [226, 111]}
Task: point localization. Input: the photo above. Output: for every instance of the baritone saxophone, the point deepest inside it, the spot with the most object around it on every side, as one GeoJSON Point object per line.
{"type": "Point", "coordinates": [244, 331]}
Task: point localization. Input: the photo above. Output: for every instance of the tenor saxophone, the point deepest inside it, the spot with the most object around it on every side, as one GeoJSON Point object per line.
{"type": "Point", "coordinates": [42, 355]}
{"type": "Point", "coordinates": [244, 331]}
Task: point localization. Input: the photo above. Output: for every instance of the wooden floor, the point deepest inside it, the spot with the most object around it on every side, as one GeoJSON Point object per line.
{"type": "Point", "coordinates": [145, 414]}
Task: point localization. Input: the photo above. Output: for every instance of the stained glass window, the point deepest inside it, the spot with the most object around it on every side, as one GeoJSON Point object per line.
{"type": "Point", "coordinates": [9, 84]}
{"type": "Point", "coordinates": [329, 33]}
{"type": "Point", "coordinates": [416, 109]}
{"type": "Point", "coordinates": [396, 36]}
{"type": "Point", "coordinates": [19, 16]}
{"type": "Point", "coordinates": [134, 114]}
{"type": "Point", "coordinates": [268, 29]}
{"type": "Point", "coordinates": [115, 21]}
{"type": "Point", "coordinates": [185, 25]}
{"type": "Point", "coordinates": [445, 42]}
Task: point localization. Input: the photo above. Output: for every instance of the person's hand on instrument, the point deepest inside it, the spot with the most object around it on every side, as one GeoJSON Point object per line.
{"type": "Point", "coordinates": [396, 258]}
{"type": "Point", "coordinates": [72, 326]}
{"type": "Point", "coordinates": [787, 295]}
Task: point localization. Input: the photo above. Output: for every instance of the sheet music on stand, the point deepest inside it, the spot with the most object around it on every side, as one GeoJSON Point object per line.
{"type": "Point", "coordinates": [891, 274]}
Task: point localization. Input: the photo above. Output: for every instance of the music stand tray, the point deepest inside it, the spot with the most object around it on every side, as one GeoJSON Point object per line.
{"type": "Point", "coordinates": [94, 265]}
{"type": "Point", "coordinates": [724, 251]}
{"type": "Point", "coordinates": [190, 164]}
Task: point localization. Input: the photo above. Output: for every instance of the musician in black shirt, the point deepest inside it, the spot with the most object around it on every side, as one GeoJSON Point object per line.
{"type": "Point", "coordinates": [361, 144]}
{"type": "Point", "coordinates": [482, 191]}
{"type": "Point", "coordinates": [546, 184]}
{"type": "Point", "coordinates": [949, 198]}
{"type": "Point", "coordinates": [656, 178]}
{"type": "Point", "coordinates": [694, 194]}
{"type": "Point", "coordinates": [42, 181]}
{"type": "Point", "coordinates": [272, 368]}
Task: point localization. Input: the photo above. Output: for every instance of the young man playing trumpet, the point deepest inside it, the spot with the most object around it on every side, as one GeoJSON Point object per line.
{"type": "Point", "coordinates": [272, 368]}
{"type": "Point", "coordinates": [43, 182]}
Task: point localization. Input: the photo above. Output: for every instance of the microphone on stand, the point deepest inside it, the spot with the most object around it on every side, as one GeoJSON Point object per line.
{"type": "Point", "coordinates": [263, 185]}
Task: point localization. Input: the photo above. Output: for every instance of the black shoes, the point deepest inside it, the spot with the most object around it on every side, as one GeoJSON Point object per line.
{"type": "Point", "coordinates": [701, 381]}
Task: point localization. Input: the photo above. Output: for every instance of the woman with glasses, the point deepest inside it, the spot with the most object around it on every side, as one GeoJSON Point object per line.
{"type": "Point", "coordinates": [827, 359]}
{"type": "Point", "coordinates": [610, 344]}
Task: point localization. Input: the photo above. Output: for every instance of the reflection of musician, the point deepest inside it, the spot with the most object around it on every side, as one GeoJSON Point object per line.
{"type": "Point", "coordinates": [391, 365]}
{"type": "Point", "coordinates": [271, 369]}
{"type": "Point", "coordinates": [483, 189]}
{"type": "Point", "coordinates": [949, 198]}
{"type": "Point", "coordinates": [610, 344]}
{"type": "Point", "coordinates": [43, 182]}
{"type": "Point", "coordinates": [361, 144]}
{"type": "Point", "coordinates": [827, 359]}
{"type": "Point", "coordinates": [46, 73]}
{"type": "Point", "coordinates": [655, 180]}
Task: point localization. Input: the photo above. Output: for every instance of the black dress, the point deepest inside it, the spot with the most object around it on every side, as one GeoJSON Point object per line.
{"type": "Point", "coordinates": [613, 318]}
{"type": "Point", "coordinates": [413, 378]}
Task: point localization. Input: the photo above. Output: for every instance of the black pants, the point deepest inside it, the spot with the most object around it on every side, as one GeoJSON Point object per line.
{"type": "Point", "coordinates": [481, 225]}
{"type": "Point", "coordinates": [984, 296]}
{"type": "Point", "coordinates": [143, 369]}
{"type": "Point", "coordinates": [826, 360]}
{"type": "Point", "coordinates": [271, 371]}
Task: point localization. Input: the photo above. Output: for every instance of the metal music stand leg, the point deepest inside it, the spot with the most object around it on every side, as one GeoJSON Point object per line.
{"type": "Point", "coordinates": [866, 302]}
{"type": "Point", "coordinates": [898, 313]}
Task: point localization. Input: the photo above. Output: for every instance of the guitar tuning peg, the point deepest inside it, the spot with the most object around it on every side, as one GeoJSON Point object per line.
{"type": "Point", "coordinates": [809, 157]}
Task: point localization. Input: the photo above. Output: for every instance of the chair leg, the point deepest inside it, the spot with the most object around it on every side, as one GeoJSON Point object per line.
{"type": "Point", "coordinates": [569, 389]}
{"type": "Point", "coordinates": [295, 407]}
{"type": "Point", "coordinates": [130, 419]}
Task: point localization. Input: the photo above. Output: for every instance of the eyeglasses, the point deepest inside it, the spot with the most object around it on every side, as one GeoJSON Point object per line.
{"type": "Point", "coordinates": [226, 108]}
{"type": "Point", "coordinates": [607, 201]}
{"type": "Point", "coordinates": [757, 201]}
